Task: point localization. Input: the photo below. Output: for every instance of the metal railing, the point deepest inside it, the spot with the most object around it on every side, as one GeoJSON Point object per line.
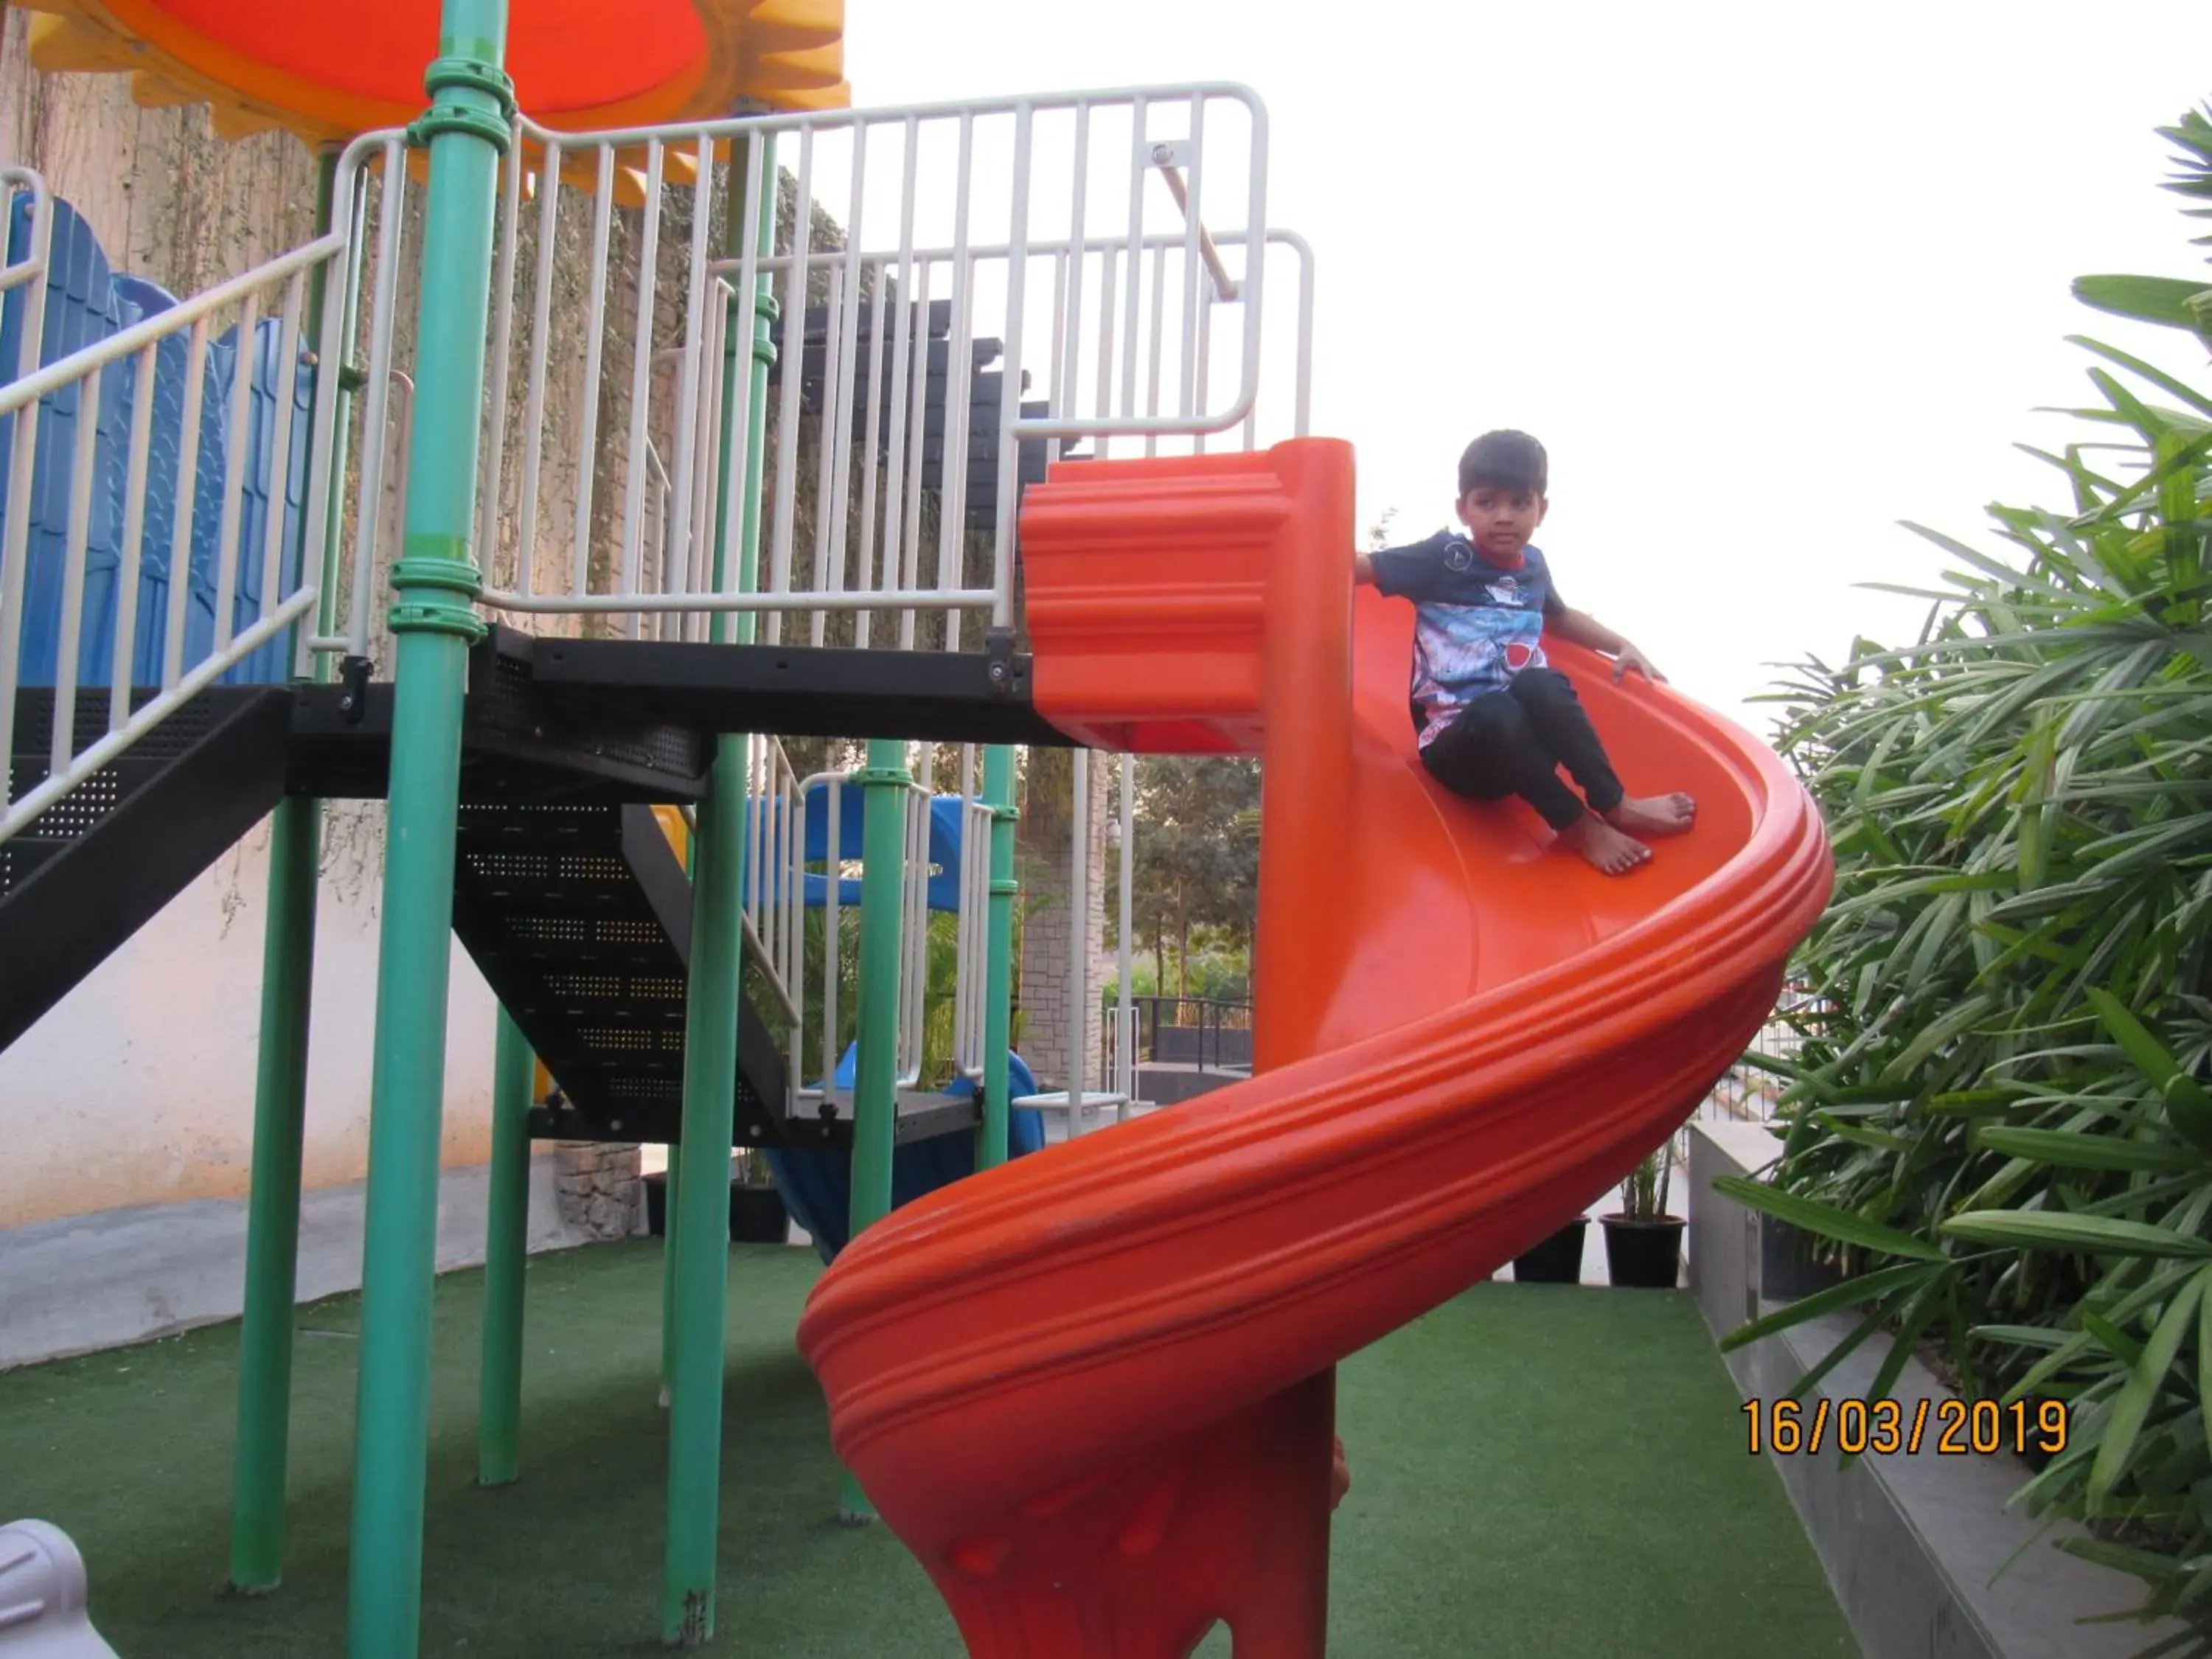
{"type": "Point", "coordinates": [972, 953]}
{"type": "Point", "coordinates": [900, 238]}
{"type": "Point", "coordinates": [1750, 1091]}
{"type": "Point", "coordinates": [774, 904]}
{"type": "Point", "coordinates": [917, 870]}
{"type": "Point", "coordinates": [1208, 1034]}
{"type": "Point", "coordinates": [62, 418]}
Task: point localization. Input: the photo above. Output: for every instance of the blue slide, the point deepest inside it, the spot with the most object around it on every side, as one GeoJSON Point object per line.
{"type": "Point", "coordinates": [817, 1185]}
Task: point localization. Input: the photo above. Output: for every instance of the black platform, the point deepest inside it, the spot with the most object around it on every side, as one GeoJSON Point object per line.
{"type": "Point", "coordinates": [803, 691]}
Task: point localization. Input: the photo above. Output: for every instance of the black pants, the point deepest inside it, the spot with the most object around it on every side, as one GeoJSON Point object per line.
{"type": "Point", "coordinates": [1514, 742]}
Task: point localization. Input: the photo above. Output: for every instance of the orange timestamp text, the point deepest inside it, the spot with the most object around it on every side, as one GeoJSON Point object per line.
{"type": "Point", "coordinates": [1949, 1428]}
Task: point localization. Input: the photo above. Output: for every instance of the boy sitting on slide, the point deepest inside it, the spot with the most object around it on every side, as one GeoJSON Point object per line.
{"type": "Point", "coordinates": [1494, 719]}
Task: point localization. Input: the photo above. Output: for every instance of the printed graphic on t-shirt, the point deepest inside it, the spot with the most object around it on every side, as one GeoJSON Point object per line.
{"type": "Point", "coordinates": [1475, 626]}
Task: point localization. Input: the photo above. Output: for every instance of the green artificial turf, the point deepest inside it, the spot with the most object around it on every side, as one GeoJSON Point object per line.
{"type": "Point", "coordinates": [1538, 1471]}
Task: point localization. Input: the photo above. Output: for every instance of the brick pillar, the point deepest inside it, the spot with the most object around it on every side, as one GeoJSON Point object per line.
{"type": "Point", "coordinates": [1045, 866]}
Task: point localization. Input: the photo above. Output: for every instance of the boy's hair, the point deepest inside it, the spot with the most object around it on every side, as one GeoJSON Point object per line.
{"type": "Point", "coordinates": [1504, 461]}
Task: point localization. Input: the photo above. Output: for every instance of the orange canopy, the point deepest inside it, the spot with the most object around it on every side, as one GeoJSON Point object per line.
{"type": "Point", "coordinates": [329, 69]}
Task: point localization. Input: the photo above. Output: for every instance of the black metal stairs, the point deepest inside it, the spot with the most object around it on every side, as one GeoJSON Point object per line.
{"type": "Point", "coordinates": [579, 917]}
{"type": "Point", "coordinates": [98, 864]}
{"type": "Point", "coordinates": [567, 896]}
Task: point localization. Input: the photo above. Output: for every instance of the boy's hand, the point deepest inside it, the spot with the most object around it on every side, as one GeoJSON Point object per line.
{"type": "Point", "coordinates": [1629, 657]}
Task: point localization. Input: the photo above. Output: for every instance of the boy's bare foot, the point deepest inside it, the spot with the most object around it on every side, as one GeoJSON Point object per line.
{"type": "Point", "coordinates": [1604, 846]}
{"type": "Point", "coordinates": [1654, 814]}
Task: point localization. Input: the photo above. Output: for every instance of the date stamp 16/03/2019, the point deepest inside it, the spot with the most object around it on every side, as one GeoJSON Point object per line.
{"type": "Point", "coordinates": [1948, 1428]}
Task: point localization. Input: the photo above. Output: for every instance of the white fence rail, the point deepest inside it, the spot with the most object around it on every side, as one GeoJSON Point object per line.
{"type": "Point", "coordinates": [960, 291]}
{"type": "Point", "coordinates": [141, 525]}
{"type": "Point", "coordinates": [775, 874]}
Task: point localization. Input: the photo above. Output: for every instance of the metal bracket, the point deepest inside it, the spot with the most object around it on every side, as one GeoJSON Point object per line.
{"type": "Point", "coordinates": [999, 652]}
{"type": "Point", "coordinates": [471, 75]}
{"type": "Point", "coordinates": [1170, 156]}
{"type": "Point", "coordinates": [353, 675]}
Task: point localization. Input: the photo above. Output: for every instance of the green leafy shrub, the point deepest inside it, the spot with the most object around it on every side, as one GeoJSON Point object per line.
{"type": "Point", "coordinates": [1996, 1120]}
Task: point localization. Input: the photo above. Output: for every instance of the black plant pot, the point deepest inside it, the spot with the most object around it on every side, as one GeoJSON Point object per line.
{"type": "Point", "coordinates": [1556, 1261]}
{"type": "Point", "coordinates": [1644, 1255]}
{"type": "Point", "coordinates": [757, 1215]}
{"type": "Point", "coordinates": [1786, 1269]}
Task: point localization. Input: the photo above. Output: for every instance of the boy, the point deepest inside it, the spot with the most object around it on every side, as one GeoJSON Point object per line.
{"type": "Point", "coordinates": [1494, 719]}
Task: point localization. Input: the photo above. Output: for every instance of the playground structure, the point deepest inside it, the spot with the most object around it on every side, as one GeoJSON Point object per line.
{"type": "Point", "coordinates": [1089, 1384]}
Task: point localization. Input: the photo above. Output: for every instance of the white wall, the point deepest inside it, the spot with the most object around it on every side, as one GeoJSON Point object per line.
{"type": "Point", "coordinates": [137, 1088]}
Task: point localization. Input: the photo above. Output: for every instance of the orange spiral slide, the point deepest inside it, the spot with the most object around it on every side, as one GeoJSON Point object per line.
{"type": "Point", "coordinates": [1093, 1389]}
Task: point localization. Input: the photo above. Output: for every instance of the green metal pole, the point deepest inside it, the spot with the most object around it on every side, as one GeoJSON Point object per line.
{"type": "Point", "coordinates": [280, 1109]}
{"type": "Point", "coordinates": [699, 1189]}
{"type": "Point", "coordinates": [507, 1244]}
{"type": "Point", "coordinates": [999, 948]}
{"type": "Point", "coordinates": [884, 780]}
{"type": "Point", "coordinates": [434, 623]}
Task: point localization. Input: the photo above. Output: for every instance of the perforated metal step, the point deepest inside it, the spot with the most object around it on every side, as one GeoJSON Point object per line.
{"type": "Point", "coordinates": [580, 917]}
{"type": "Point", "coordinates": [95, 866]}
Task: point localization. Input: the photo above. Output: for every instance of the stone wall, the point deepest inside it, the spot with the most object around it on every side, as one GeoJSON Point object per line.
{"type": "Point", "coordinates": [1045, 871]}
{"type": "Point", "coordinates": [599, 1188]}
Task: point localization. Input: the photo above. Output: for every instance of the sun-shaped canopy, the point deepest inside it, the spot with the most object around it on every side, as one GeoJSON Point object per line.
{"type": "Point", "coordinates": [328, 70]}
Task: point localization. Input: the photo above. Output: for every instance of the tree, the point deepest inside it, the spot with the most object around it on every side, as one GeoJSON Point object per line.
{"type": "Point", "coordinates": [1194, 866]}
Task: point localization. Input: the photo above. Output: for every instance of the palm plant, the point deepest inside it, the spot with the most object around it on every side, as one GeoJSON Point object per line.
{"type": "Point", "coordinates": [1644, 1194]}
{"type": "Point", "coordinates": [1995, 1118]}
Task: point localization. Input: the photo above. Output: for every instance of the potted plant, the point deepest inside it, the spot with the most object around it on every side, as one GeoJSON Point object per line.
{"type": "Point", "coordinates": [1554, 1261]}
{"type": "Point", "coordinates": [756, 1211]}
{"type": "Point", "coordinates": [1643, 1243]}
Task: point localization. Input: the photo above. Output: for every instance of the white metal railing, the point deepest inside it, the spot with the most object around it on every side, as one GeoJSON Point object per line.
{"type": "Point", "coordinates": [371, 170]}
{"type": "Point", "coordinates": [775, 874]}
{"type": "Point", "coordinates": [1090, 234]}
{"type": "Point", "coordinates": [914, 929]}
{"type": "Point", "coordinates": [833, 786]}
{"type": "Point", "coordinates": [970, 1050]}
{"type": "Point", "coordinates": [124, 372]}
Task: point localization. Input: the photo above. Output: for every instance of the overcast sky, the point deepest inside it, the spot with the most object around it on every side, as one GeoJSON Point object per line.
{"type": "Point", "coordinates": [1766, 279]}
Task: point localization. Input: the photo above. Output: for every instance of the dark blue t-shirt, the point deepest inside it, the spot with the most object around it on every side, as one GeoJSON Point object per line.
{"type": "Point", "coordinates": [1475, 624]}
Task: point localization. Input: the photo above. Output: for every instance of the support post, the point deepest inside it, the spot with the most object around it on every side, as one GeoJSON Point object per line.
{"type": "Point", "coordinates": [885, 783]}
{"type": "Point", "coordinates": [280, 1108]}
{"type": "Point", "coordinates": [998, 954]}
{"type": "Point", "coordinates": [507, 1246]}
{"type": "Point", "coordinates": [699, 1186]}
{"type": "Point", "coordinates": [435, 622]}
